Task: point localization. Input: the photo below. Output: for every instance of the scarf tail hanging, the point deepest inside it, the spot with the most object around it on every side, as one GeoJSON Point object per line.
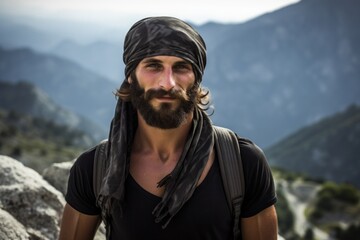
{"type": "Point", "coordinates": [184, 178]}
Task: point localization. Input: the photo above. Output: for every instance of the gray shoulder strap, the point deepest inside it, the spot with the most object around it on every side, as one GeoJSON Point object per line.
{"type": "Point", "coordinates": [99, 166]}
{"type": "Point", "coordinates": [228, 154]}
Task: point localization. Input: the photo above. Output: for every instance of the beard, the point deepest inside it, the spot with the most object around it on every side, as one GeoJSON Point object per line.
{"type": "Point", "coordinates": [166, 116]}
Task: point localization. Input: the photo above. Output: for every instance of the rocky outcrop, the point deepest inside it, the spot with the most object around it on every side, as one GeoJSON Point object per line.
{"type": "Point", "coordinates": [10, 228]}
{"type": "Point", "coordinates": [31, 205]}
{"type": "Point", "coordinates": [57, 175]}
{"type": "Point", "coordinates": [35, 206]}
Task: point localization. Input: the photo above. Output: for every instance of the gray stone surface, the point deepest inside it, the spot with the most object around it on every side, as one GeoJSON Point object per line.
{"type": "Point", "coordinates": [57, 175]}
{"type": "Point", "coordinates": [31, 200]}
{"type": "Point", "coordinates": [10, 228]}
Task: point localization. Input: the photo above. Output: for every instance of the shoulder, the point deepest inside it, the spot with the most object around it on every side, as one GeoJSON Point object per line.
{"type": "Point", "coordinates": [255, 164]}
{"type": "Point", "coordinates": [86, 160]}
{"type": "Point", "coordinates": [250, 152]}
{"type": "Point", "coordinates": [82, 171]}
{"type": "Point", "coordinates": [259, 182]}
{"type": "Point", "coordinates": [80, 194]}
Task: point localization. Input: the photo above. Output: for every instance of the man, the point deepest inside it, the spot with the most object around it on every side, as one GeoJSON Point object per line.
{"type": "Point", "coordinates": [163, 180]}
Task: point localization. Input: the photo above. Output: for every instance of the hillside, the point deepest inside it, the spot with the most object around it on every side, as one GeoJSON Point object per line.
{"type": "Point", "coordinates": [104, 57]}
{"type": "Point", "coordinates": [15, 34]}
{"type": "Point", "coordinates": [25, 98]}
{"type": "Point", "coordinates": [268, 76]}
{"type": "Point", "coordinates": [70, 85]}
{"type": "Point", "coordinates": [309, 209]}
{"type": "Point", "coordinates": [328, 149]}
{"type": "Point", "coordinates": [38, 143]}
{"type": "Point", "coordinates": [286, 69]}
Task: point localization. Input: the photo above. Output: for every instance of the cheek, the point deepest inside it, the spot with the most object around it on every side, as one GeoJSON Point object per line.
{"type": "Point", "coordinates": [146, 81]}
{"type": "Point", "coordinates": [187, 81]}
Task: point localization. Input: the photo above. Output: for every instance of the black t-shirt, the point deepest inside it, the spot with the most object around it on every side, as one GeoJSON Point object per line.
{"type": "Point", "coordinates": [206, 215]}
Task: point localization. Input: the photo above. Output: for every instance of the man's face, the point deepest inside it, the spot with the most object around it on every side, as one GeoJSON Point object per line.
{"type": "Point", "coordinates": [163, 91]}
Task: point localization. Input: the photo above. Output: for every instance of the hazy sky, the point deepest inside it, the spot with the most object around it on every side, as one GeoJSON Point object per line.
{"type": "Point", "coordinates": [107, 11]}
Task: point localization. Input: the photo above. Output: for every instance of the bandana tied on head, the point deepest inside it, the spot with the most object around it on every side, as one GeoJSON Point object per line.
{"type": "Point", "coordinates": [169, 36]}
{"type": "Point", "coordinates": [153, 37]}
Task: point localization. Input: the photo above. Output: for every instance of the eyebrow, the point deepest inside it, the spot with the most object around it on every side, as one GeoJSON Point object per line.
{"type": "Point", "coordinates": [151, 60]}
{"type": "Point", "coordinates": [155, 60]}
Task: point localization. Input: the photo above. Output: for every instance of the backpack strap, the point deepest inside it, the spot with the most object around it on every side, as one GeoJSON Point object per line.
{"type": "Point", "coordinates": [100, 166]}
{"type": "Point", "coordinates": [228, 153]}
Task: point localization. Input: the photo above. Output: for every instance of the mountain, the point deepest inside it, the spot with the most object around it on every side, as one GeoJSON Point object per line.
{"type": "Point", "coordinates": [25, 98]}
{"type": "Point", "coordinates": [38, 143]}
{"type": "Point", "coordinates": [328, 149]}
{"type": "Point", "coordinates": [268, 77]}
{"type": "Point", "coordinates": [286, 69]}
{"type": "Point", "coordinates": [70, 85]}
{"type": "Point", "coordinates": [15, 34]}
{"type": "Point", "coordinates": [104, 57]}
{"type": "Point", "coordinates": [43, 34]}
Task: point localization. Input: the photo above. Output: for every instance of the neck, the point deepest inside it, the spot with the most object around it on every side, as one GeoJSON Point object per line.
{"type": "Point", "coordinates": [162, 142]}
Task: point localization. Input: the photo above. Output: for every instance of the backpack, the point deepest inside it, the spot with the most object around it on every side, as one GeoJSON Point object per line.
{"type": "Point", "coordinates": [229, 157]}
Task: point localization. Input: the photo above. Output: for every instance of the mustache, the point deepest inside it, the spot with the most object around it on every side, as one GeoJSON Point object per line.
{"type": "Point", "coordinates": [173, 93]}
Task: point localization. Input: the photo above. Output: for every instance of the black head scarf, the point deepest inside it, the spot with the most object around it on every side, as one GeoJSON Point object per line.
{"type": "Point", "coordinates": [170, 36]}
{"type": "Point", "coordinates": [151, 37]}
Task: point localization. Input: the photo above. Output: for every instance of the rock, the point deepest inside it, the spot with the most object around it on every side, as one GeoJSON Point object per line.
{"type": "Point", "coordinates": [30, 199]}
{"type": "Point", "coordinates": [10, 228]}
{"type": "Point", "coordinates": [57, 175]}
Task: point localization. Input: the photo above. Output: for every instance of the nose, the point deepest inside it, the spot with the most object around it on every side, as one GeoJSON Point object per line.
{"type": "Point", "coordinates": [167, 81]}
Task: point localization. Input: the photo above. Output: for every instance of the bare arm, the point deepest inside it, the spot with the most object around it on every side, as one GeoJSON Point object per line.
{"type": "Point", "coordinates": [76, 225]}
{"type": "Point", "coordinates": [261, 226]}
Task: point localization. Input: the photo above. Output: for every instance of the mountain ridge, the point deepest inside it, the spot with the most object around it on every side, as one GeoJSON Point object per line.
{"type": "Point", "coordinates": [25, 98]}
{"type": "Point", "coordinates": [273, 74]}
{"type": "Point", "coordinates": [285, 69]}
{"type": "Point", "coordinates": [70, 85]}
{"type": "Point", "coordinates": [327, 149]}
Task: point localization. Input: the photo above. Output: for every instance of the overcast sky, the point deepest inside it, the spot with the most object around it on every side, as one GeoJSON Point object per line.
{"type": "Point", "coordinates": [107, 11]}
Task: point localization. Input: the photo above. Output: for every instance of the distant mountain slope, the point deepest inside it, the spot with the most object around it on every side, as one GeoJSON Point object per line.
{"type": "Point", "coordinates": [25, 98]}
{"type": "Point", "coordinates": [286, 69]}
{"type": "Point", "coordinates": [268, 76]}
{"type": "Point", "coordinates": [103, 57]}
{"type": "Point", "coordinates": [329, 149]}
{"type": "Point", "coordinates": [14, 35]}
{"type": "Point", "coordinates": [69, 84]}
{"type": "Point", "coordinates": [273, 74]}
{"type": "Point", "coordinates": [36, 142]}
{"type": "Point", "coordinates": [43, 34]}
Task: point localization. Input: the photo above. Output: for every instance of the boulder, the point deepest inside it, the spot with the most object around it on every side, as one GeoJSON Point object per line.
{"type": "Point", "coordinates": [31, 200]}
{"type": "Point", "coordinates": [10, 228]}
{"type": "Point", "coordinates": [57, 175]}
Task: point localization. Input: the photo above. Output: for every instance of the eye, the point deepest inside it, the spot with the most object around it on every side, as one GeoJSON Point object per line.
{"type": "Point", "coordinates": [154, 66]}
{"type": "Point", "coordinates": [182, 67]}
